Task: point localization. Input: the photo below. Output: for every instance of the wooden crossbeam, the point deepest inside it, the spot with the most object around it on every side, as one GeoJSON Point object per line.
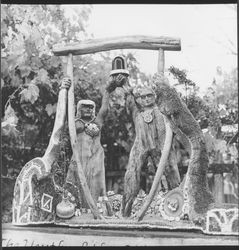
{"type": "Point", "coordinates": [124, 42]}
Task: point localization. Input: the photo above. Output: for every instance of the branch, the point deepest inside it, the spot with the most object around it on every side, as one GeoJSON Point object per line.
{"type": "Point", "coordinates": [126, 42]}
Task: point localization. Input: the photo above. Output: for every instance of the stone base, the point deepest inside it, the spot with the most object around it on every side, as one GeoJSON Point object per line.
{"type": "Point", "coordinates": [221, 219]}
{"type": "Point", "coordinates": [64, 236]}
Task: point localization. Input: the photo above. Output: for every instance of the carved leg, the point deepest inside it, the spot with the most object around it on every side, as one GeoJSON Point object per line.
{"type": "Point", "coordinates": [132, 177]}
{"type": "Point", "coordinates": [73, 185]}
{"type": "Point", "coordinates": [160, 169]}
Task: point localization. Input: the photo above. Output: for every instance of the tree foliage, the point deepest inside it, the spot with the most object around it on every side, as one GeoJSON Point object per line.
{"type": "Point", "coordinates": [30, 75]}
{"type": "Point", "coordinates": [218, 107]}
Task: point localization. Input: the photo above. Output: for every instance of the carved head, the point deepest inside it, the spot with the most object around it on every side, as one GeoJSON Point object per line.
{"type": "Point", "coordinates": [85, 109]}
{"type": "Point", "coordinates": [144, 96]}
{"type": "Point", "coordinates": [173, 204]}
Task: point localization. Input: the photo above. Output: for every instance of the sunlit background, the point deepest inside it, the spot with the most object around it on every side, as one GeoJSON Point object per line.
{"type": "Point", "coordinates": [208, 34]}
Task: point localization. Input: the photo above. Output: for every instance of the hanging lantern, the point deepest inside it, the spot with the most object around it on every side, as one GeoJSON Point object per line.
{"type": "Point", "coordinates": [119, 66]}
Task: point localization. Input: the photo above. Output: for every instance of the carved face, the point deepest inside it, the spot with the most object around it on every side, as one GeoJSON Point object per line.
{"type": "Point", "coordinates": [173, 204]}
{"type": "Point", "coordinates": [146, 98]}
{"type": "Point", "coordinates": [86, 111]}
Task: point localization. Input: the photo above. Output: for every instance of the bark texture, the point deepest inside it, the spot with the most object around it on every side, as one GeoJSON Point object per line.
{"type": "Point", "coordinates": [160, 169]}
{"type": "Point", "coordinates": [149, 142]}
{"type": "Point", "coordinates": [196, 184]}
{"type": "Point", "coordinates": [125, 42]}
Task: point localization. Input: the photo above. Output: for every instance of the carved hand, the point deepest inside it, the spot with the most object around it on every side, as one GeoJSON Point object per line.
{"type": "Point", "coordinates": [116, 81]}
{"type": "Point", "coordinates": [65, 83]}
{"type": "Point", "coordinates": [121, 80]}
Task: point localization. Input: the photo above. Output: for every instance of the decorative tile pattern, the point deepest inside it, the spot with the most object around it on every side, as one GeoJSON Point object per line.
{"type": "Point", "coordinates": [46, 202]}
{"type": "Point", "coordinates": [222, 221]}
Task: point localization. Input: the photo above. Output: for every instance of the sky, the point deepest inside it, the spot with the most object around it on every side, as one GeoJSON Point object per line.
{"type": "Point", "coordinates": [205, 32]}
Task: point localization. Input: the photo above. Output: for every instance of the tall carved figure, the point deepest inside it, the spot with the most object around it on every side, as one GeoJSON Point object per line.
{"type": "Point", "coordinates": [169, 114]}
{"type": "Point", "coordinates": [149, 142]}
{"type": "Point", "coordinates": [88, 129]}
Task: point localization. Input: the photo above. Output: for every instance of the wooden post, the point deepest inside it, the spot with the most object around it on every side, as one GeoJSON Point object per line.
{"type": "Point", "coordinates": [161, 61]}
{"type": "Point", "coordinates": [218, 188]}
{"type": "Point", "coordinates": [74, 142]}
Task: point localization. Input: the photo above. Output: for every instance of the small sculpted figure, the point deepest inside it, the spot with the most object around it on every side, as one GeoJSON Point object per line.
{"type": "Point", "coordinates": [88, 129]}
{"type": "Point", "coordinates": [149, 141]}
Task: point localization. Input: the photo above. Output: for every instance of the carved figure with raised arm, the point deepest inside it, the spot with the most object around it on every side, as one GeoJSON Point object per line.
{"type": "Point", "coordinates": [149, 141]}
{"type": "Point", "coordinates": [88, 129]}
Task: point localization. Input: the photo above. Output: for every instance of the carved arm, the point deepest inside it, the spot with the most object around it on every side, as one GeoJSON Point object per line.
{"type": "Point", "coordinates": [53, 149]}
{"type": "Point", "coordinates": [104, 107]}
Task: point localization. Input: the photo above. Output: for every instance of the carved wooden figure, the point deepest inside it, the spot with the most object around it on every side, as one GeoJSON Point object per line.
{"type": "Point", "coordinates": [88, 130]}
{"type": "Point", "coordinates": [150, 139]}
{"type": "Point", "coordinates": [181, 120]}
{"type": "Point", "coordinates": [74, 143]}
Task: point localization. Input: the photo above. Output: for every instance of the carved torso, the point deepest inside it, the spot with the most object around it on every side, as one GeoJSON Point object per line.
{"type": "Point", "coordinates": [88, 136]}
{"type": "Point", "coordinates": [92, 128]}
{"type": "Point", "coordinates": [150, 128]}
{"type": "Point", "coordinates": [92, 158]}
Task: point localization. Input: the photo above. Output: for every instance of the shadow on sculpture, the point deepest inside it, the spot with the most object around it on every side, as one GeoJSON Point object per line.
{"type": "Point", "coordinates": [158, 114]}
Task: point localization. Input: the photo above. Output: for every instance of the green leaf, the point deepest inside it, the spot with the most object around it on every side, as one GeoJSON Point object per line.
{"type": "Point", "coordinates": [9, 129]}
{"type": "Point", "coordinates": [25, 70]}
{"type": "Point", "coordinates": [43, 76]}
{"type": "Point", "coordinates": [30, 94]}
{"type": "Point", "coordinates": [50, 109]}
{"type": "Point", "coordinates": [36, 64]}
{"type": "Point", "coordinates": [23, 29]}
{"type": "Point", "coordinates": [10, 117]}
{"type": "Point", "coordinates": [16, 81]}
{"type": "Point", "coordinates": [9, 122]}
{"type": "Point", "coordinates": [55, 61]}
{"type": "Point", "coordinates": [223, 112]}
